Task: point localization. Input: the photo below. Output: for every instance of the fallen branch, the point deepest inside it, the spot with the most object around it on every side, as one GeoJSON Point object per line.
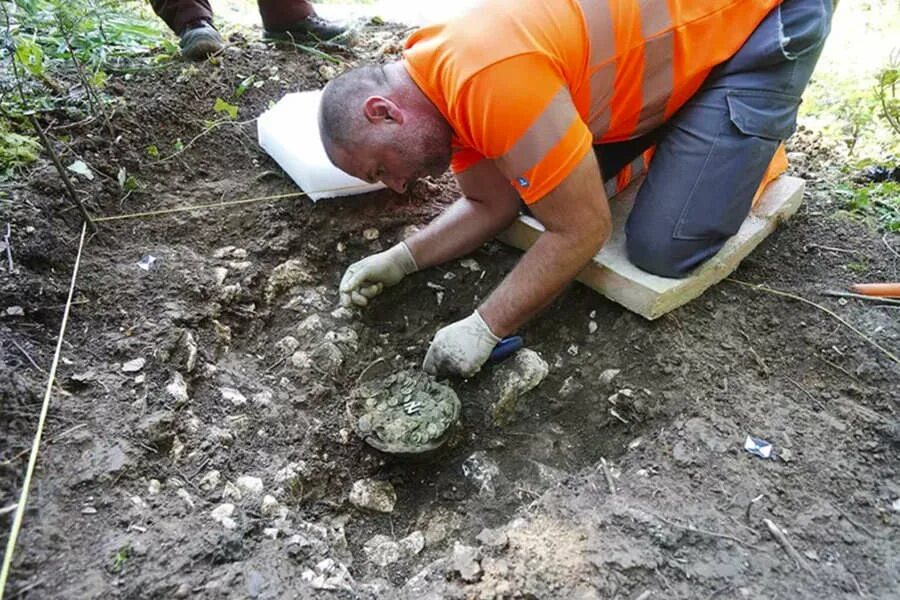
{"type": "Point", "coordinates": [781, 538]}
{"type": "Point", "coordinates": [692, 529]}
{"type": "Point", "coordinates": [878, 299]}
{"type": "Point", "coordinates": [769, 290]}
{"type": "Point", "coordinates": [608, 474]}
{"type": "Point", "coordinates": [70, 189]}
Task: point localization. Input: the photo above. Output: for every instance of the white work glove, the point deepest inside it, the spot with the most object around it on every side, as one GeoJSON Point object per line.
{"type": "Point", "coordinates": [366, 278]}
{"type": "Point", "coordinates": [461, 348]}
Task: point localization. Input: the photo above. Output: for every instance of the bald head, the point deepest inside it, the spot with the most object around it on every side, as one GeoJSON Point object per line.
{"type": "Point", "coordinates": [340, 113]}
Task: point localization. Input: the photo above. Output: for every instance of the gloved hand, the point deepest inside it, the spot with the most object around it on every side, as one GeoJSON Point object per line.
{"type": "Point", "coordinates": [366, 278]}
{"type": "Point", "coordinates": [461, 348]}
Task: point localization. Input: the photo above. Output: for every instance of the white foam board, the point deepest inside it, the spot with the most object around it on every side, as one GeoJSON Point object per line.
{"type": "Point", "coordinates": [289, 133]}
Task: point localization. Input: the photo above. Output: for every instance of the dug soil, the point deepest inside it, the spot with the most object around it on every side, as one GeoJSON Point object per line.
{"type": "Point", "coordinates": [197, 444]}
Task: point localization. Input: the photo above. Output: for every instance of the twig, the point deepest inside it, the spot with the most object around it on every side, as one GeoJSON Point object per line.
{"type": "Point", "coordinates": [832, 248]}
{"type": "Point", "coordinates": [8, 509]}
{"type": "Point", "coordinates": [88, 88]}
{"type": "Point", "coordinates": [781, 538]}
{"type": "Point", "coordinates": [8, 248]}
{"type": "Point", "coordinates": [878, 299]}
{"type": "Point", "coordinates": [608, 475]}
{"type": "Point", "coordinates": [859, 526]}
{"type": "Point", "coordinates": [70, 189]}
{"type": "Point", "coordinates": [872, 342]}
{"type": "Point", "coordinates": [805, 391]}
{"type": "Point", "coordinates": [209, 129]}
{"type": "Point", "coordinates": [724, 536]}
{"type": "Point", "coordinates": [894, 252]}
{"type": "Point", "coordinates": [28, 356]}
{"type": "Point", "coordinates": [645, 595]}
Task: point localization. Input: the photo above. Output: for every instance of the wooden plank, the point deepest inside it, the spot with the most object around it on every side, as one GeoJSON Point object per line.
{"type": "Point", "coordinates": [651, 296]}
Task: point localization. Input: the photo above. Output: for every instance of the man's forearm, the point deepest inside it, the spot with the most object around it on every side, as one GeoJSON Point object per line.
{"type": "Point", "coordinates": [544, 271]}
{"type": "Point", "coordinates": [457, 231]}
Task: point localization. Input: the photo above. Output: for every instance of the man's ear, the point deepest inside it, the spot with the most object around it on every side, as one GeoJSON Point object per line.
{"type": "Point", "coordinates": [379, 109]}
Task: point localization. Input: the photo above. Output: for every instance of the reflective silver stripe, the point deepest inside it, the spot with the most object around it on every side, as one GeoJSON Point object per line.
{"type": "Point", "coordinates": [637, 166]}
{"type": "Point", "coordinates": [602, 39]}
{"type": "Point", "coordinates": [659, 77]}
{"type": "Point", "coordinates": [610, 187]}
{"type": "Point", "coordinates": [542, 136]}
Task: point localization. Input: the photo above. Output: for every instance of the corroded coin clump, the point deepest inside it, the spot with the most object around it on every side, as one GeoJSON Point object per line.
{"type": "Point", "coordinates": [407, 412]}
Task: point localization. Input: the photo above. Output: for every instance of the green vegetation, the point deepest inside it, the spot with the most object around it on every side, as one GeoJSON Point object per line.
{"type": "Point", "coordinates": [877, 202]}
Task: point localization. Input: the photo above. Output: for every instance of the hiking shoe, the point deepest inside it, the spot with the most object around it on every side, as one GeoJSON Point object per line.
{"type": "Point", "coordinates": [311, 29]}
{"type": "Point", "coordinates": [200, 40]}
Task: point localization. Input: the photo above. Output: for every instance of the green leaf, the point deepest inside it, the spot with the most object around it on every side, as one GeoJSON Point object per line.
{"type": "Point", "coordinates": [152, 151]}
{"type": "Point", "coordinates": [178, 145]}
{"type": "Point", "coordinates": [243, 86]}
{"type": "Point", "coordinates": [223, 107]}
{"type": "Point", "coordinates": [30, 56]}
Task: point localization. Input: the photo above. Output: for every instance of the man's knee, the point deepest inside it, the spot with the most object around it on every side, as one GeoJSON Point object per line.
{"type": "Point", "coordinates": [666, 256]}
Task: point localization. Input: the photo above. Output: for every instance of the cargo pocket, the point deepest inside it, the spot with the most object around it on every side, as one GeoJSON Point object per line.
{"type": "Point", "coordinates": [720, 200]}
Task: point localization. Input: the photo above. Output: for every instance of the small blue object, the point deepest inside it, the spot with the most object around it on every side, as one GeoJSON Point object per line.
{"type": "Point", "coordinates": [522, 181]}
{"type": "Point", "coordinates": [506, 348]}
{"type": "Point", "coordinates": [758, 446]}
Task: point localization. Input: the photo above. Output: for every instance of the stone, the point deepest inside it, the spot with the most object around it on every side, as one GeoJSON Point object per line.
{"type": "Point", "coordinates": [328, 575]}
{"type": "Point", "coordinates": [608, 375]}
{"type": "Point", "coordinates": [153, 487]}
{"type": "Point", "coordinates": [310, 327]}
{"type": "Point", "coordinates": [466, 561]}
{"type": "Point", "coordinates": [374, 495]}
{"type": "Point", "coordinates": [223, 252]}
{"type": "Point", "coordinates": [134, 365]}
{"type": "Point", "coordinates": [492, 538]}
{"type": "Point", "coordinates": [301, 359]}
{"type": "Point", "coordinates": [481, 470]}
{"type": "Point", "coordinates": [287, 345]}
{"type": "Point", "coordinates": [229, 293]}
{"type": "Point", "coordinates": [269, 506]}
{"type": "Point", "coordinates": [413, 543]}
{"type": "Point", "coordinates": [470, 264]}
{"type": "Point", "coordinates": [210, 481]}
{"type": "Point", "coordinates": [570, 387]}
{"type": "Point", "coordinates": [232, 492]}
{"type": "Point", "coordinates": [345, 336]}
{"type": "Point", "coordinates": [157, 427]}
{"type": "Point", "coordinates": [177, 389]}
{"type": "Point", "coordinates": [371, 234]}
{"type": "Point", "coordinates": [232, 395]}
{"type": "Point", "coordinates": [184, 495]}
{"type": "Point", "coordinates": [382, 550]}
{"type": "Point", "coordinates": [15, 311]}
{"type": "Point", "coordinates": [513, 379]}
{"type": "Point", "coordinates": [222, 515]}
{"type": "Point", "coordinates": [219, 274]}
{"type": "Point", "coordinates": [592, 327]}
{"type": "Point", "coordinates": [270, 532]}
{"type": "Point", "coordinates": [327, 357]}
{"type": "Point", "coordinates": [252, 486]}
{"type": "Point", "coordinates": [651, 296]}
{"type": "Point", "coordinates": [263, 398]}
{"type": "Point", "coordinates": [439, 524]}
{"type": "Point", "coordinates": [286, 276]}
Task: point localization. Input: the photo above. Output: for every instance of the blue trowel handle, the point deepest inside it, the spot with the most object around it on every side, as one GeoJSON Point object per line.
{"type": "Point", "coordinates": [506, 348]}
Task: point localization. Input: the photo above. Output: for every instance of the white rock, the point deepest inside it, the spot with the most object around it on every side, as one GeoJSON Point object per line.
{"type": "Point", "coordinates": [470, 264]}
{"type": "Point", "coordinates": [184, 495]}
{"type": "Point", "coordinates": [481, 470]}
{"type": "Point", "coordinates": [270, 506]}
{"type": "Point", "coordinates": [263, 398]}
{"type": "Point", "coordinates": [895, 506]}
{"type": "Point", "coordinates": [231, 491]}
{"type": "Point", "coordinates": [608, 375]}
{"type": "Point", "coordinates": [466, 561]}
{"type": "Point", "coordinates": [232, 395]}
{"type": "Point", "coordinates": [371, 234]}
{"type": "Point", "coordinates": [239, 253]}
{"type": "Point", "coordinates": [572, 350]}
{"type": "Point", "coordinates": [140, 379]}
{"type": "Point", "coordinates": [15, 311]}
{"type": "Point", "coordinates": [592, 326]}
{"type": "Point", "coordinates": [134, 365]}
{"type": "Point", "coordinates": [492, 538]}
{"type": "Point", "coordinates": [89, 510]}
{"type": "Point", "coordinates": [138, 502]}
{"type": "Point", "coordinates": [372, 494]}
{"type": "Point", "coordinates": [223, 252]}
{"type": "Point", "coordinates": [413, 543]}
{"type": "Point", "coordinates": [310, 327]}
{"type": "Point", "coordinates": [240, 266]}
{"type": "Point", "coordinates": [271, 532]}
{"type": "Point", "coordinates": [153, 487]}
{"type": "Point", "coordinates": [301, 359]}
{"type": "Point", "coordinates": [287, 345]}
{"type": "Point", "coordinates": [229, 293]}
{"type": "Point", "coordinates": [210, 481]}
{"type": "Point", "coordinates": [177, 388]}
{"type": "Point", "coordinates": [328, 575]}
{"type": "Point", "coordinates": [252, 486]}
{"type": "Point", "coordinates": [342, 314]}
{"type": "Point", "coordinates": [219, 274]}
{"type": "Point", "coordinates": [382, 550]}
{"type": "Point", "coordinates": [514, 378]}
{"type": "Point", "coordinates": [222, 514]}
{"type": "Point", "coordinates": [285, 276]}
{"type": "Point", "coordinates": [344, 335]}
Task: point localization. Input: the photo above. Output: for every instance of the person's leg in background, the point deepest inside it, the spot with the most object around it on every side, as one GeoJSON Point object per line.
{"type": "Point", "coordinates": [295, 20]}
{"type": "Point", "coordinates": [715, 150]}
{"type": "Point", "coordinates": [191, 20]}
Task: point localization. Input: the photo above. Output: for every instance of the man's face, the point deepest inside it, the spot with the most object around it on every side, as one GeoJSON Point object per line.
{"type": "Point", "coordinates": [397, 154]}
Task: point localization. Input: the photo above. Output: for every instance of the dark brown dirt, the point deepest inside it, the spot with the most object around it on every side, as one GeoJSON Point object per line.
{"type": "Point", "coordinates": [687, 517]}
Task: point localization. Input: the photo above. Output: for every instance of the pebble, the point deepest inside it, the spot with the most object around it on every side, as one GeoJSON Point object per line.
{"type": "Point", "coordinates": [371, 494]}
{"type": "Point", "coordinates": [311, 326]}
{"type": "Point", "coordinates": [153, 487]}
{"type": "Point", "coordinates": [89, 510]}
{"type": "Point", "coordinates": [287, 345]}
{"type": "Point", "coordinates": [301, 360]}
{"type": "Point", "coordinates": [271, 532]}
{"type": "Point", "coordinates": [223, 252]}
{"type": "Point", "coordinates": [210, 481]}
{"type": "Point", "coordinates": [466, 562]}
{"type": "Point", "coordinates": [382, 550]}
{"type": "Point", "coordinates": [439, 524]}
{"type": "Point", "coordinates": [481, 470]}
{"type": "Point", "coordinates": [138, 502]}
{"type": "Point", "coordinates": [608, 375]}
{"type": "Point", "coordinates": [184, 495]}
{"type": "Point", "coordinates": [219, 274]}
{"type": "Point", "coordinates": [328, 575]}
{"type": "Point", "coordinates": [470, 264]}
{"type": "Point", "coordinates": [327, 357]}
{"type": "Point", "coordinates": [177, 388]}
{"type": "Point", "coordinates": [232, 395]}
{"type": "Point", "coordinates": [231, 491]}
{"type": "Point", "coordinates": [413, 543]}
{"type": "Point", "coordinates": [592, 326]}
{"type": "Point", "coordinates": [270, 506]}
{"type": "Point", "coordinates": [516, 377]}
{"type": "Point", "coordinates": [134, 365]}
{"type": "Point", "coordinates": [286, 276]}
{"type": "Point", "coordinates": [222, 514]}
{"type": "Point", "coordinates": [570, 387]}
{"type": "Point", "coordinates": [250, 485]}
{"type": "Point", "coordinates": [15, 311]}
{"type": "Point", "coordinates": [229, 293]}
{"type": "Point", "coordinates": [263, 398]}
{"type": "Point", "coordinates": [240, 266]}
{"type": "Point", "coordinates": [572, 350]}
{"type": "Point", "coordinates": [371, 234]}
{"type": "Point", "coordinates": [492, 538]}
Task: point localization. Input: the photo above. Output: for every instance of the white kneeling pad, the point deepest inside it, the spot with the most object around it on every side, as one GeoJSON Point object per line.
{"type": "Point", "coordinates": [289, 133]}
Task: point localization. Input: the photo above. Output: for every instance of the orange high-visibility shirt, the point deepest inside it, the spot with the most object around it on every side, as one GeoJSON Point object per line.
{"type": "Point", "coordinates": [533, 84]}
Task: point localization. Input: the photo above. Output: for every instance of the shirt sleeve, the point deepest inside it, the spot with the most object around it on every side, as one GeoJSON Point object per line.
{"type": "Point", "coordinates": [520, 114]}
